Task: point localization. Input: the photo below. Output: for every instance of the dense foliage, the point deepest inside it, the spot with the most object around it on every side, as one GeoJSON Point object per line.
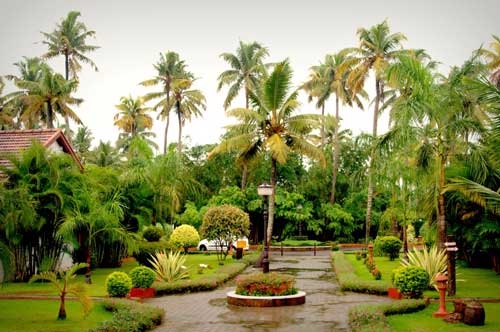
{"type": "Point", "coordinates": [388, 245]}
{"type": "Point", "coordinates": [118, 284]}
{"type": "Point", "coordinates": [265, 284]}
{"type": "Point", "coordinates": [142, 277]}
{"type": "Point", "coordinates": [411, 281]}
{"type": "Point", "coordinates": [185, 236]}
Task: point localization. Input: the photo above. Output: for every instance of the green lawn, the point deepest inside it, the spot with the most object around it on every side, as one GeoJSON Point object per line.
{"type": "Point", "coordinates": [471, 282]}
{"type": "Point", "coordinates": [97, 288]}
{"type": "Point", "coordinates": [423, 321]}
{"type": "Point", "coordinates": [41, 316]}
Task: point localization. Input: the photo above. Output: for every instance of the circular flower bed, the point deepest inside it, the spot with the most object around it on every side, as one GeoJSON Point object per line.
{"type": "Point", "coordinates": [265, 290]}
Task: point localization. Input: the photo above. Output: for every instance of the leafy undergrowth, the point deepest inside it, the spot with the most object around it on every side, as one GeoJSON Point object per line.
{"type": "Point", "coordinates": [41, 316]}
{"type": "Point", "coordinates": [423, 321]}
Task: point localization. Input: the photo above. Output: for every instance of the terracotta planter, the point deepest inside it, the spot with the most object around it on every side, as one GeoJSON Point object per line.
{"type": "Point", "coordinates": [394, 293]}
{"type": "Point", "coordinates": [142, 293]}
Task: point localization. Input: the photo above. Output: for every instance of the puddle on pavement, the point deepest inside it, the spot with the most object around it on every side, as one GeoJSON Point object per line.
{"type": "Point", "coordinates": [219, 302]}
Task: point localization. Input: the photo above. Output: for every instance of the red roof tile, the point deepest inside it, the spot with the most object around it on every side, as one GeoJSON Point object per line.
{"type": "Point", "coordinates": [14, 141]}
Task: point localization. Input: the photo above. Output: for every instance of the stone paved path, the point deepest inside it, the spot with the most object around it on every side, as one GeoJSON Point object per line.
{"type": "Point", "coordinates": [325, 309]}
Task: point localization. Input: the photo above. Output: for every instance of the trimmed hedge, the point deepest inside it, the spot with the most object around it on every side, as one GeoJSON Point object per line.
{"type": "Point", "coordinates": [368, 318]}
{"type": "Point", "coordinates": [130, 316]}
{"type": "Point", "coordinates": [206, 283]}
{"type": "Point", "coordinates": [146, 249]}
{"type": "Point", "coordinates": [349, 281]}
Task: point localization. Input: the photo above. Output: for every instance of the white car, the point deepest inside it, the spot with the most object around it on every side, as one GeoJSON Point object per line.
{"type": "Point", "coordinates": [205, 245]}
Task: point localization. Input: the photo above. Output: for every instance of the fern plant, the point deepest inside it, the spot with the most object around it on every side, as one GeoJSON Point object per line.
{"type": "Point", "coordinates": [61, 280]}
{"type": "Point", "coordinates": [434, 261]}
{"type": "Point", "coordinates": [169, 267]}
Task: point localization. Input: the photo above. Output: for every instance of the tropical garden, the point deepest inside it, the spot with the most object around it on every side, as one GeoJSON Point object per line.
{"type": "Point", "coordinates": [435, 172]}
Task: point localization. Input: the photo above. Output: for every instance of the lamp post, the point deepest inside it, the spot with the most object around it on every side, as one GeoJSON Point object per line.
{"type": "Point", "coordinates": [265, 190]}
{"type": "Point", "coordinates": [299, 207]}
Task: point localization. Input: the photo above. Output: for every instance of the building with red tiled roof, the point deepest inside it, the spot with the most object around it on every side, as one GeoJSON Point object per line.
{"type": "Point", "coordinates": [15, 141]}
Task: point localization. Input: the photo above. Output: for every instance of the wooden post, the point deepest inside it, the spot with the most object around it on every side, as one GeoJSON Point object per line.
{"type": "Point", "coordinates": [451, 248]}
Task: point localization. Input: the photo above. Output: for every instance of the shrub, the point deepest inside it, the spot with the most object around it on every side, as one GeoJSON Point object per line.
{"type": "Point", "coordinates": [369, 265]}
{"type": "Point", "coordinates": [389, 245]}
{"type": "Point", "coordinates": [411, 281]}
{"type": "Point", "coordinates": [185, 236]}
{"type": "Point", "coordinates": [349, 281]}
{"type": "Point", "coordinates": [433, 261]}
{"type": "Point", "coordinates": [118, 284]}
{"type": "Point", "coordinates": [130, 316]}
{"type": "Point", "coordinates": [223, 224]}
{"type": "Point", "coordinates": [169, 267]}
{"type": "Point", "coordinates": [147, 249]}
{"type": "Point", "coordinates": [142, 277]}
{"type": "Point", "coordinates": [377, 275]}
{"type": "Point", "coordinates": [265, 284]}
{"type": "Point", "coordinates": [152, 234]}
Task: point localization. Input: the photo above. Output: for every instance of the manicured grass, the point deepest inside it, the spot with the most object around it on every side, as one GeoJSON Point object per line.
{"type": "Point", "coordinates": [471, 282]}
{"type": "Point", "coordinates": [41, 316]}
{"type": "Point", "coordinates": [423, 321]}
{"type": "Point", "coordinates": [382, 263]}
{"type": "Point", "coordinates": [297, 243]}
{"type": "Point", "coordinates": [98, 288]}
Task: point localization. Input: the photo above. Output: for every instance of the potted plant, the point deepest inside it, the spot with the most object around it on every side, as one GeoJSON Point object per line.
{"type": "Point", "coordinates": [142, 279]}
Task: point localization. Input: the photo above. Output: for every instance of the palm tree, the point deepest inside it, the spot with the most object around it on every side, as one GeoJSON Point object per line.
{"type": "Point", "coordinates": [187, 103]}
{"type": "Point", "coordinates": [247, 70]}
{"type": "Point", "coordinates": [377, 47]}
{"type": "Point", "coordinates": [49, 96]}
{"type": "Point", "coordinates": [493, 57]}
{"type": "Point", "coordinates": [103, 155]}
{"type": "Point", "coordinates": [272, 126]}
{"type": "Point", "coordinates": [133, 116]}
{"type": "Point", "coordinates": [69, 39]}
{"type": "Point", "coordinates": [170, 69]}
{"type": "Point", "coordinates": [62, 282]}
{"type": "Point", "coordinates": [83, 140]}
{"type": "Point", "coordinates": [327, 78]}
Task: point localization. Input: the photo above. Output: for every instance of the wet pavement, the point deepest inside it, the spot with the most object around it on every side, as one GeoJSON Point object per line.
{"type": "Point", "coordinates": [326, 307]}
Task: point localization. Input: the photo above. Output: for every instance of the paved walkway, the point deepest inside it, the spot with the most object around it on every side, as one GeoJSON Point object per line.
{"type": "Point", "coordinates": [325, 309]}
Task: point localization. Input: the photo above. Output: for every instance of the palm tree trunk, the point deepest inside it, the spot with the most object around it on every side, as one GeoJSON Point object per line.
{"type": "Point", "coordinates": [50, 116]}
{"type": "Point", "coordinates": [335, 152]}
{"type": "Point", "coordinates": [244, 175]}
{"type": "Point", "coordinates": [88, 279]}
{"type": "Point", "coordinates": [394, 220]}
{"type": "Point", "coordinates": [441, 223]}
{"type": "Point", "coordinates": [369, 202]}
{"type": "Point", "coordinates": [323, 126]}
{"type": "Point", "coordinates": [167, 112]}
{"type": "Point", "coordinates": [179, 144]}
{"type": "Point", "coordinates": [66, 117]}
{"type": "Point", "coordinates": [62, 307]}
{"type": "Point", "coordinates": [271, 201]}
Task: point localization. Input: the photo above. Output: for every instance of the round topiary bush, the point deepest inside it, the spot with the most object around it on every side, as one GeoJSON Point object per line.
{"type": "Point", "coordinates": [118, 284]}
{"type": "Point", "coordinates": [389, 245]}
{"type": "Point", "coordinates": [152, 234]}
{"type": "Point", "coordinates": [411, 281]}
{"type": "Point", "coordinates": [142, 277]}
{"type": "Point", "coordinates": [185, 236]}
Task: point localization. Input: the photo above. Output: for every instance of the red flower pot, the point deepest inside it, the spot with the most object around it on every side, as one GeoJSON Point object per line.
{"type": "Point", "coordinates": [142, 293]}
{"type": "Point", "coordinates": [394, 293]}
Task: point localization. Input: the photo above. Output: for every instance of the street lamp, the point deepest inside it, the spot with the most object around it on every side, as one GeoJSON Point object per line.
{"type": "Point", "coordinates": [265, 190]}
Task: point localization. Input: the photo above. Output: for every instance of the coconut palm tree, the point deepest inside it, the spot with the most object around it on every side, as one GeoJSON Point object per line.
{"type": "Point", "coordinates": [272, 127]}
{"type": "Point", "coordinates": [188, 103]}
{"type": "Point", "coordinates": [49, 96]}
{"type": "Point", "coordinates": [377, 48]}
{"type": "Point", "coordinates": [104, 155]}
{"type": "Point", "coordinates": [69, 39]}
{"type": "Point", "coordinates": [170, 70]}
{"type": "Point", "coordinates": [247, 70]}
{"type": "Point", "coordinates": [493, 58]}
{"type": "Point", "coordinates": [133, 116]}
{"type": "Point", "coordinates": [327, 78]}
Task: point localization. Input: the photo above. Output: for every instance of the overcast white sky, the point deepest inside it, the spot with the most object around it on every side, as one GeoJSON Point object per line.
{"type": "Point", "coordinates": [131, 35]}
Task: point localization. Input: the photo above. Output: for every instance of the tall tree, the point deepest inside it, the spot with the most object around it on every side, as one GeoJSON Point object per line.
{"type": "Point", "coordinates": [493, 58]}
{"type": "Point", "coordinates": [170, 70]}
{"type": "Point", "coordinates": [133, 117]}
{"type": "Point", "coordinates": [188, 103]}
{"type": "Point", "coordinates": [272, 127]}
{"type": "Point", "coordinates": [247, 71]}
{"type": "Point", "coordinates": [49, 96]}
{"type": "Point", "coordinates": [69, 39]}
{"type": "Point", "coordinates": [377, 47]}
